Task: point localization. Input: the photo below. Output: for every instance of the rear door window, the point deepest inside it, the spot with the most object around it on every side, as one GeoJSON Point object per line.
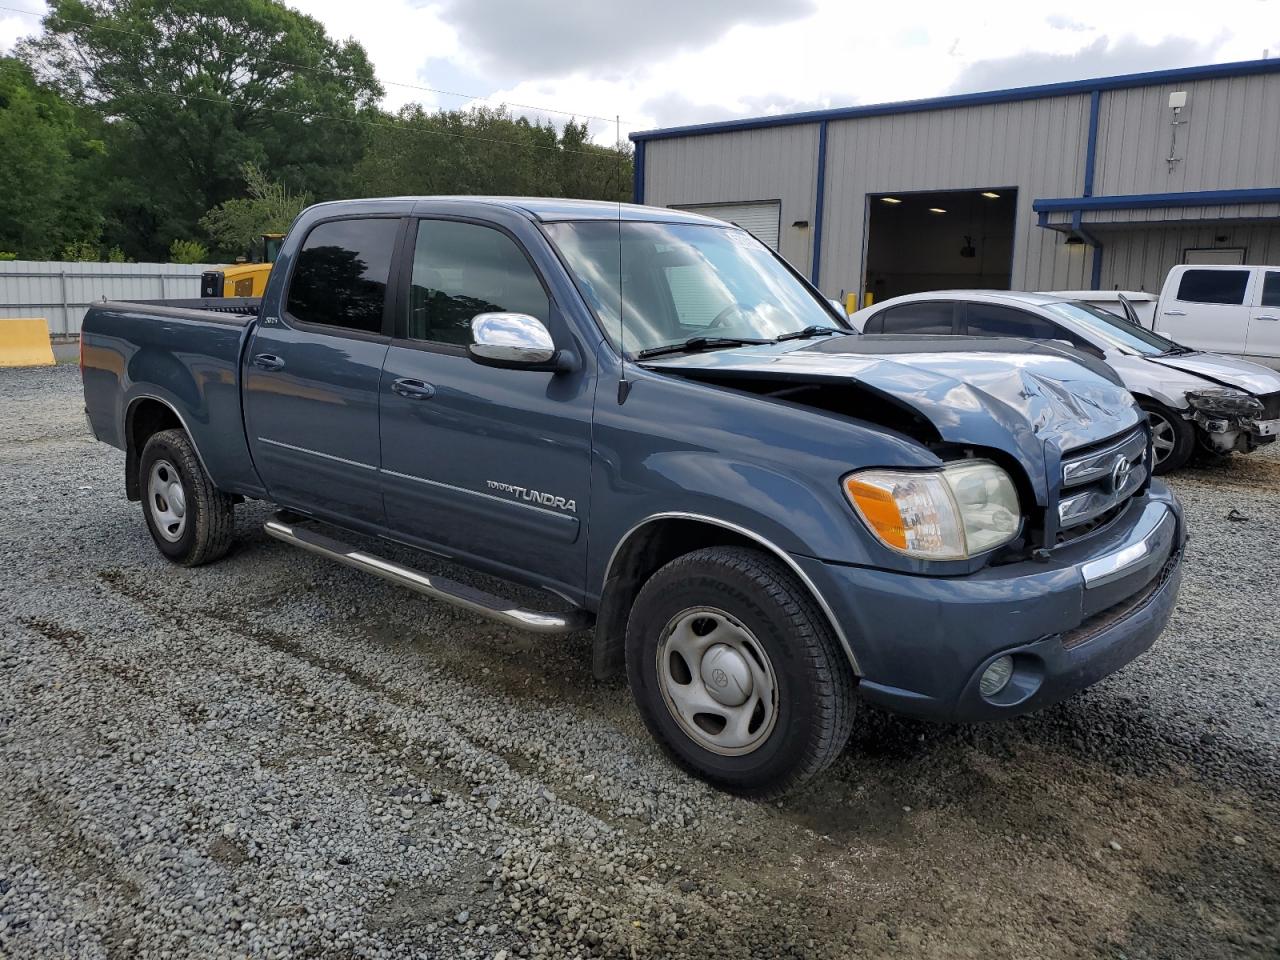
{"type": "Point", "coordinates": [1271, 289]}
{"type": "Point", "coordinates": [929, 316]}
{"type": "Point", "coordinates": [340, 278]}
{"type": "Point", "coordinates": [993, 320]}
{"type": "Point", "coordinates": [1213, 286]}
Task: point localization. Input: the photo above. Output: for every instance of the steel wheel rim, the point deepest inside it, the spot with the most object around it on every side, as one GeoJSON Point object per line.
{"type": "Point", "coordinates": [717, 681]}
{"type": "Point", "coordinates": [1163, 437]}
{"type": "Point", "coordinates": [167, 500]}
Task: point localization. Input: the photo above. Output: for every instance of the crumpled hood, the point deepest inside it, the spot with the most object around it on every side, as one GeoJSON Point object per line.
{"type": "Point", "coordinates": [1227, 371]}
{"type": "Point", "coordinates": [1010, 395]}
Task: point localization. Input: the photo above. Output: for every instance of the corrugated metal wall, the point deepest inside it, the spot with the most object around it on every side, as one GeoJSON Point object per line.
{"type": "Point", "coordinates": [1140, 259]}
{"type": "Point", "coordinates": [61, 292]}
{"type": "Point", "coordinates": [777, 163]}
{"type": "Point", "coordinates": [1231, 137]}
{"type": "Point", "coordinates": [1036, 146]}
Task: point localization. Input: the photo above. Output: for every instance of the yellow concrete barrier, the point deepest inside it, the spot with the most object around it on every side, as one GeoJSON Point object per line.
{"type": "Point", "coordinates": [24, 342]}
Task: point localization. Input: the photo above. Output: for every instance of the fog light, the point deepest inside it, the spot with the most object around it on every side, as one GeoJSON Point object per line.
{"type": "Point", "coordinates": [996, 676]}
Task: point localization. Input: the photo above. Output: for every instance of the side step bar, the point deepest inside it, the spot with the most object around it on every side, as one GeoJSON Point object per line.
{"type": "Point", "coordinates": [437, 588]}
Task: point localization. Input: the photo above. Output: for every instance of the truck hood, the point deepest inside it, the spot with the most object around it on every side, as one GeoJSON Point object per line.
{"type": "Point", "coordinates": [1011, 395]}
{"type": "Point", "coordinates": [1226, 371]}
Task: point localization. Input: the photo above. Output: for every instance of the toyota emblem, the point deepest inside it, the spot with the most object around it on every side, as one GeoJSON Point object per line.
{"type": "Point", "coordinates": [1120, 473]}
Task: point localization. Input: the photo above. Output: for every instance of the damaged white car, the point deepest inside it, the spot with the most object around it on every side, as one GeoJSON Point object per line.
{"type": "Point", "coordinates": [1194, 401]}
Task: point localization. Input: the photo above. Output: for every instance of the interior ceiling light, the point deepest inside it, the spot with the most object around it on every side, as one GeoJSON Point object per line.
{"type": "Point", "coordinates": [936, 210]}
{"type": "Point", "coordinates": [890, 200]}
{"type": "Point", "coordinates": [990, 196]}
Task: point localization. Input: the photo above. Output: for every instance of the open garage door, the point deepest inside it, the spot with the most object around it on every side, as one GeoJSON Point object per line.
{"type": "Point", "coordinates": [760, 218]}
{"type": "Point", "coordinates": [951, 239]}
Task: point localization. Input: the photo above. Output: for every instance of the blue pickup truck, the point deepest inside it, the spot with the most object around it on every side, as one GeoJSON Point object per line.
{"type": "Point", "coordinates": [656, 421]}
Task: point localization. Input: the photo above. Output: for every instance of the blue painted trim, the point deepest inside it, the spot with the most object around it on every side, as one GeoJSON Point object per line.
{"type": "Point", "coordinates": [1243, 68]}
{"type": "Point", "coordinates": [637, 173]}
{"type": "Point", "coordinates": [819, 201]}
{"type": "Point", "coordinates": [1136, 201]}
{"type": "Point", "coordinates": [1091, 148]}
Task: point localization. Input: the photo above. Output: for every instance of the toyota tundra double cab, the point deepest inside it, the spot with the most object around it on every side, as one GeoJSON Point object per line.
{"type": "Point", "coordinates": [650, 417]}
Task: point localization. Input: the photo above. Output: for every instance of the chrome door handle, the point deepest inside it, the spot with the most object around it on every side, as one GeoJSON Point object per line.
{"type": "Point", "coordinates": [1175, 313]}
{"type": "Point", "coordinates": [413, 389]}
{"type": "Point", "coordinates": [1272, 319]}
{"type": "Point", "coordinates": [268, 362]}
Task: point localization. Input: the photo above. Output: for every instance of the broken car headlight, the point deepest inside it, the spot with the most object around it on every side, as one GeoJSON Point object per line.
{"type": "Point", "coordinates": [965, 509]}
{"type": "Point", "coordinates": [1225, 402]}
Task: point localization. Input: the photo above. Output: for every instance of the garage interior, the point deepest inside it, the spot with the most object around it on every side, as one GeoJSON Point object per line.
{"type": "Point", "coordinates": [940, 240]}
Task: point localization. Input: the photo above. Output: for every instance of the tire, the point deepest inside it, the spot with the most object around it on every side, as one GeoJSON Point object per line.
{"type": "Point", "coordinates": [780, 649]}
{"type": "Point", "coordinates": [191, 521]}
{"type": "Point", "coordinates": [1173, 437]}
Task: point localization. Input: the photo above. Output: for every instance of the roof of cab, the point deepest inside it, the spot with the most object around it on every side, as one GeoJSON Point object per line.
{"type": "Point", "coordinates": [551, 209]}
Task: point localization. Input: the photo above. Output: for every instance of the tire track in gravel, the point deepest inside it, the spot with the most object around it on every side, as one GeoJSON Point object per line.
{"type": "Point", "coordinates": [375, 739]}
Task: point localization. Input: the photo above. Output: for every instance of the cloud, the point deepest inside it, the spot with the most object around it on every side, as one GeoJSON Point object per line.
{"type": "Point", "coordinates": [677, 110]}
{"type": "Point", "coordinates": [1101, 58]}
{"type": "Point", "coordinates": [556, 38]}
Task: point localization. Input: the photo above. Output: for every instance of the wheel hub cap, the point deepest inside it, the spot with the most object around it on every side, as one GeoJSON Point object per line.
{"type": "Point", "coordinates": [167, 501]}
{"type": "Point", "coordinates": [717, 681]}
{"type": "Point", "coordinates": [726, 675]}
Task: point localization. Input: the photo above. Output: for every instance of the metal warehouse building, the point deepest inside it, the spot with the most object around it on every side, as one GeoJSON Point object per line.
{"type": "Point", "coordinates": [1100, 184]}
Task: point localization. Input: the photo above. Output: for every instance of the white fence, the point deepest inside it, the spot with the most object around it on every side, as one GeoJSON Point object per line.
{"type": "Point", "coordinates": [61, 292]}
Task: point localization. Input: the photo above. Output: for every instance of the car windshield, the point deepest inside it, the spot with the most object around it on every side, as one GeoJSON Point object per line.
{"type": "Point", "coordinates": [657, 285]}
{"type": "Point", "coordinates": [1115, 330]}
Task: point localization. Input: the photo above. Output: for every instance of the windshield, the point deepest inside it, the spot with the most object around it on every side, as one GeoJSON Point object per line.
{"type": "Point", "coordinates": [1116, 331]}
{"type": "Point", "coordinates": [680, 281]}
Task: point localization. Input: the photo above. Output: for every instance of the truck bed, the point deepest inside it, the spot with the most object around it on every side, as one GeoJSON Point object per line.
{"type": "Point", "coordinates": [183, 355]}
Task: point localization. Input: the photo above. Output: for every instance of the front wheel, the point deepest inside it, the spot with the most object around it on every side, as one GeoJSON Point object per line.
{"type": "Point", "coordinates": [737, 673]}
{"type": "Point", "coordinates": [1173, 439]}
{"type": "Point", "coordinates": [191, 521]}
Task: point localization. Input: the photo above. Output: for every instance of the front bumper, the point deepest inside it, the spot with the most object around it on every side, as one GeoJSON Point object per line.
{"type": "Point", "coordinates": [922, 643]}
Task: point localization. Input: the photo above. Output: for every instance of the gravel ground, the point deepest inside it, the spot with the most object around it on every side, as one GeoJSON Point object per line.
{"type": "Point", "coordinates": [276, 756]}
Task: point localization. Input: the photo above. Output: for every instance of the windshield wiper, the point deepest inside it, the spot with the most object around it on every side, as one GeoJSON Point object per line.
{"type": "Point", "coordinates": [1177, 350]}
{"type": "Point", "coordinates": [694, 344]}
{"type": "Point", "coordinates": [813, 330]}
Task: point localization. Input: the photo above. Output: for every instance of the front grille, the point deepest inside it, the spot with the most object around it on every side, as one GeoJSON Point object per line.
{"type": "Point", "coordinates": [1098, 480]}
{"type": "Point", "coordinates": [1104, 619]}
{"type": "Point", "coordinates": [1270, 406]}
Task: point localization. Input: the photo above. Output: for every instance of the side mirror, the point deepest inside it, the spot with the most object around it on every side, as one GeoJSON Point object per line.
{"type": "Point", "coordinates": [516, 341]}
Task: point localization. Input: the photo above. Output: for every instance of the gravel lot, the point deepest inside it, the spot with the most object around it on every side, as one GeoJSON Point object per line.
{"type": "Point", "coordinates": [276, 756]}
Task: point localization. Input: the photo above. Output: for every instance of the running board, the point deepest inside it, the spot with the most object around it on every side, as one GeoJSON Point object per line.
{"type": "Point", "coordinates": [437, 588]}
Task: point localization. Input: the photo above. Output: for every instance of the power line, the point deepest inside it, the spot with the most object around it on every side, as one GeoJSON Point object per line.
{"type": "Point", "coordinates": [323, 70]}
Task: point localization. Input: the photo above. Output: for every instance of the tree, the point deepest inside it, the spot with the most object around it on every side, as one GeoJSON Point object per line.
{"type": "Point", "coordinates": [49, 173]}
{"type": "Point", "coordinates": [188, 251]}
{"type": "Point", "coordinates": [269, 208]}
{"type": "Point", "coordinates": [192, 89]}
{"type": "Point", "coordinates": [488, 151]}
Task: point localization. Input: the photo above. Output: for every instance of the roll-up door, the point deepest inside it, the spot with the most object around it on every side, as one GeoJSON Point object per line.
{"type": "Point", "coordinates": [760, 218]}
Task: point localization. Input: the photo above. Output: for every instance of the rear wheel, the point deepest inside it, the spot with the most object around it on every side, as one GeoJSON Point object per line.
{"type": "Point", "coordinates": [1173, 439]}
{"type": "Point", "coordinates": [190, 520]}
{"type": "Point", "coordinates": [737, 673]}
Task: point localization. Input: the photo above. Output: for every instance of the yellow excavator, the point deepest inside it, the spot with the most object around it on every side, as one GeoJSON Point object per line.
{"type": "Point", "coordinates": [247, 277]}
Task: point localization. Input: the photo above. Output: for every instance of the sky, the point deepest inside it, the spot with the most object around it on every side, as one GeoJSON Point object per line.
{"type": "Point", "coordinates": [659, 63]}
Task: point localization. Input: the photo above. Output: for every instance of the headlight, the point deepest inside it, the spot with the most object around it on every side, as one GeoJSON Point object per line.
{"type": "Point", "coordinates": [1225, 402]}
{"type": "Point", "coordinates": [958, 512]}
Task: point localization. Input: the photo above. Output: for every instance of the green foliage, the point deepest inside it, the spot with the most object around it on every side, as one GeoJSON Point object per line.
{"type": "Point", "coordinates": [48, 167]}
{"type": "Point", "coordinates": [7, 255]}
{"type": "Point", "coordinates": [194, 89]}
{"type": "Point", "coordinates": [116, 255]}
{"type": "Point", "coordinates": [269, 208]}
{"type": "Point", "coordinates": [488, 151]}
{"type": "Point", "coordinates": [188, 251]}
{"type": "Point", "coordinates": [81, 251]}
{"type": "Point", "coordinates": [128, 123]}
